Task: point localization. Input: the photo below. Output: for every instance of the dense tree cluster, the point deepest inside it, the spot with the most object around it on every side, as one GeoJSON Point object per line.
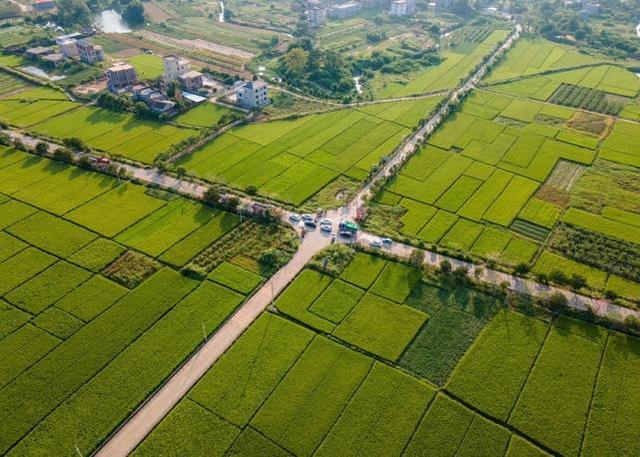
{"type": "Point", "coordinates": [606, 31]}
{"type": "Point", "coordinates": [316, 70]}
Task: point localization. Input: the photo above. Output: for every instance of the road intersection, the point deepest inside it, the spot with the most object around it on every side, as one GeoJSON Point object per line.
{"type": "Point", "coordinates": [132, 432]}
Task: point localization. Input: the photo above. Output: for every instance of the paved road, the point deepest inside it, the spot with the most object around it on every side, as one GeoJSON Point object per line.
{"type": "Point", "coordinates": [142, 422]}
{"type": "Point", "coordinates": [577, 301]}
{"type": "Point", "coordinates": [411, 145]}
{"type": "Point", "coordinates": [599, 306]}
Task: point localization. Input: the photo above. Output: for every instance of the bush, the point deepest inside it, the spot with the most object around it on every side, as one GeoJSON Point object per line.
{"type": "Point", "coordinates": [416, 258]}
{"type": "Point", "coordinates": [445, 267]}
{"type": "Point", "coordinates": [577, 281]}
{"type": "Point", "coordinates": [75, 143]}
{"type": "Point", "coordinates": [522, 269]}
{"type": "Point", "coordinates": [557, 301]}
{"type": "Point", "coordinates": [632, 323]}
{"type": "Point", "coordinates": [42, 148]}
{"type": "Point", "coordinates": [19, 145]}
{"type": "Point", "coordinates": [251, 190]}
{"type": "Point", "coordinates": [211, 197]}
{"type": "Point", "coordinates": [558, 277]}
{"type": "Point", "coordinates": [63, 155]}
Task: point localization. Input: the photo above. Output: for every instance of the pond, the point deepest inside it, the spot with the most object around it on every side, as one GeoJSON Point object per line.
{"type": "Point", "coordinates": [110, 21]}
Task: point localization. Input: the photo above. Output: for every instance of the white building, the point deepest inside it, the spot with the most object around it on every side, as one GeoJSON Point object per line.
{"type": "Point", "coordinates": [89, 53]}
{"type": "Point", "coordinates": [68, 47]}
{"type": "Point", "coordinates": [174, 67]}
{"type": "Point", "coordinates": [253, 95]}
{"type": "Point", "coordinates": [345, 10]}
{"type": "Point", "coordinates": [317, 16]}
{"type": "Point", "coordinates": [402, 8]}
{"type": "Point", "coordinates": [121, 75]}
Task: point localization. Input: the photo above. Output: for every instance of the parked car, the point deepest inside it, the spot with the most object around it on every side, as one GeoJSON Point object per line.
{"type": "Point", "coordinates": [294, 217]}
{"type": "Point", "coordinates": [308, 218]}
{"type": "Point", "coordinates": [311, 224]}
{"type": "Point", "coordinates": [387, 241]}
{"type": "Point", "coordinates": [326, 228]}
{"type": "Point", "coordinates": [377, 244]}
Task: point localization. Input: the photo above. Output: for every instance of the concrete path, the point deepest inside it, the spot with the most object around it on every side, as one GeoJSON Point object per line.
{"type": "Point", "coordinates": [143, 421]}
{"type": "Point", "coordinates": [600, 307]}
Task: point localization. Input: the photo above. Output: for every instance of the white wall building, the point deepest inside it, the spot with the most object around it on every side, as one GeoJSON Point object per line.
{"type": "Point", "coordinates": [402, 8]}
{"type": "Point", "coordinates": [345, 10]}
{"type": "Point", "coordinates": [68, 47]}
{"type": "Point", "coordinates": [317, 16]}
{"type": "Point", "coordinates": [174, 67]}
{"type": "Point", "coordinates": [253, 95]}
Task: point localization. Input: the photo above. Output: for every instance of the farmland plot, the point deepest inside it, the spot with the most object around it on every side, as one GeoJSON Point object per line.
{"type": "Point", "coordinates": [603, 80]}
{"type": "Point", "coordinates": [292, 160]}
{"type": "Point", "coordinates": [367, 319]}
{"type": "Point", "coordinates": [115, 133]}
{"type": "Point", "coordinates": [496, 182]}
{"type": "Point", "coordinates": [446, 75]}
{"type": "Point", "coordinates": [80, 351]}
{"type": "Point", "coordinates": [530, 56]}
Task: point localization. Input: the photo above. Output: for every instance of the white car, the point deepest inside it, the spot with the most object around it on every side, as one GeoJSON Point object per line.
{"type": "Point", "coordinates": [308, 218]}
{"type": "Point", "coordinates": [294, 217]}
{"type": "Point", "coordinates": [387, 241]}
{"type": "Point", "coordinates": [375, 244]}
{"type": "Point", "coordinates": [326, 228]}
{"type": "Point", "coordinates": [326, 221]}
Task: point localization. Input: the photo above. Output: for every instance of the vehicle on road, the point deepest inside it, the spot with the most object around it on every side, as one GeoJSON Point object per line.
{"type": "Point", "coordinates": [387, 241]}
{"type": "Point", "coordinates": [376, 243]}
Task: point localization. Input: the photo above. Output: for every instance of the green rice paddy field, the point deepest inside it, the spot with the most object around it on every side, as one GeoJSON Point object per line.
{"type": "Point", "coordinates": [292, 160]}
{"type": "Point", "coordinates": [379, 361]}
{"type": "Point", "coordinates": [457, 64]}
{"type": "Point", "coordinates": [533, 54]}
{"type": "Point", "coordinates": [606, 78]}
{"type": "Point", "coordinates": [497, 179]}
{"type": "Point", "coordinates": [48, 112]}
{"type": "Point", "coordinates": [94, 312]}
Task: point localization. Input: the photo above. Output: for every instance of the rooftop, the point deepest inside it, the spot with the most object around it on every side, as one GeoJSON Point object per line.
{"type": "Point", "coordinates": [120, 66]}
{"type": "Point", "coordinates": [190, 74]}
{"type": "Point", "coordinates": [55, 57]}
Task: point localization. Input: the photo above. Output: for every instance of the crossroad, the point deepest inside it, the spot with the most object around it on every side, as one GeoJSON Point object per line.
{"type": "Point", "coordinates": [132, 432]}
